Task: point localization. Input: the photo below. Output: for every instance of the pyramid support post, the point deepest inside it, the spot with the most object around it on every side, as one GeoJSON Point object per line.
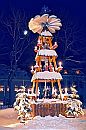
{"type": "Point", "coordinates": [50, 43]}
{"type": "Point", "coordinates": [52, 87]}
{"type": "Point", "coordinates": [60, 90]}
{"type": "Point", "coordinates": [45, 84]}
{"type": "Point", "coordinates": [36, 88]}
{"type": "Point", "coordinates": [33, 87]}
{"type": "Point", "coordinates": [45, 87]}
{"type": "Point", "coordinates": [54, 62]}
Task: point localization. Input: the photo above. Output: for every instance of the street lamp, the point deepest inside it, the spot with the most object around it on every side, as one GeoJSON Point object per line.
{"type": "Point", "coordinates": [25, 32]}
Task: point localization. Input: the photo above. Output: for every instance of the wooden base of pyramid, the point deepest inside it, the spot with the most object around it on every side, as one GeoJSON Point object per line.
{"type": "Point", "coordinates": [46, 109]}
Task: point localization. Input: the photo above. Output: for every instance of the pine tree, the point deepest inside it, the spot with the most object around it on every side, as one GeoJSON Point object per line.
{"type": "Point", "coordinates": [22, 105]}
{"type": "Point", "coordinates": [74, 92]}
{"type": "Point", "coordinates": [74, 106]}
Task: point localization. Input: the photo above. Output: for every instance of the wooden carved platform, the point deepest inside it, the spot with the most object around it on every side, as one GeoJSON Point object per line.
{"type": "Point", "coordinates": [48, 108]}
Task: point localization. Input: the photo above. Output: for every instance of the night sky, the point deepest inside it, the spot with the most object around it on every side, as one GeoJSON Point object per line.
{"type": "Point", "coordinates": [71, 12]}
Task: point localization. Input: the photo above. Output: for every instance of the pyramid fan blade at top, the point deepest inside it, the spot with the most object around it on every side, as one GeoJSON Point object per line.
{"type": "Point", "coordinates": [35, 30]}
{"type": "Point", "coordinates": [55, 24]}
{"type": "Point", "coordinates": [52, 30]}
{"type": "Point", "coordinates": [37, 23]}
{"type": "Point", "coordinates": [55, 27]}
{"type": "Point", "coordinates": [55, 20]}
{"type": "Point", "coordinates": [53, 16]}
{"type": "Point", "coordinates": [37, 19]}
{"type": "Point", "coordinates": [33, 24]}
{"type": "Point", "coordinates": [44, 18]}
{"type": "Point", "coordinates": [38, 30]}
{"type": "Point", "coordinates": [51, 20]}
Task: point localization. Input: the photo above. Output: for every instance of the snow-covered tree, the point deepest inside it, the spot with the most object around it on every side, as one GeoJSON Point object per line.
{"type": "Point", "coordinates": [74, 106]}
{"type": "Point", "coordinates": [22, 105]}
{"type": "Point", "coordinates": [74, 92]}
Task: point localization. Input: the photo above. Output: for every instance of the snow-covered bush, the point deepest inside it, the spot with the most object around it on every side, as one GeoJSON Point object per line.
{"type": "Point", "coordinates": [22, 105]}
{"type": "Point", "coordinates": [74, 106]}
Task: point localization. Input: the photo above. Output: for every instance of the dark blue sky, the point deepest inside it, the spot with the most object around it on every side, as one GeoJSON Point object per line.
{"type": "Point", "coordinates": [72, 9]}
{"type": "Point", "coordinates": [75, 7]}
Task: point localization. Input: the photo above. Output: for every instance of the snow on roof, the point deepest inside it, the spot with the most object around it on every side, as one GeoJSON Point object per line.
{"type": "Point", "coordinates": [46, 75]}
{"type": "Point", "coordinates": [46, 52]}
{"type": "Point", "coordinates": [46, 33]}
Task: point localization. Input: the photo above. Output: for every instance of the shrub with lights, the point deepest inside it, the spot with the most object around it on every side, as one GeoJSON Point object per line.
{"type": "Point", "coordinates": [22, 105]}
{"type": "Point", "coordinates": [74, 106]}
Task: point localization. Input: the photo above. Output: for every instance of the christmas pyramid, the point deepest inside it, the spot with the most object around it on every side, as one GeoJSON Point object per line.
{"type": "Point", "coordinates": [45, 69]}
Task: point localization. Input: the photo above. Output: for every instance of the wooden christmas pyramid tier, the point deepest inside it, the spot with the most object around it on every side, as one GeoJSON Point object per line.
{"type": "Point", "coordinates": [46, 33]}
{"type": "Point", "coordinates": [46, 75]}
{"type": "Point", "coordinates": [46, 52]}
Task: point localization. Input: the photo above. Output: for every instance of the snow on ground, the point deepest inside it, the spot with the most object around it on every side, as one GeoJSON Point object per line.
{"type": "Point", "coordinates": [8, 121]}
{"type": "Point", "coordinates": [7, 117]}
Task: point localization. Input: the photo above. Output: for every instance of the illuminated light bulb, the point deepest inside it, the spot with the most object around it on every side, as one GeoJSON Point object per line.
{"type": "Point", "coordinates": [65, 72]}
{"type": "Point", "coordinates": [35, 49]}
{"type": "Point", "coordinates": [39, 42]}
{"type": "Point", "coordinates": [55, 43]}
{"type": "Point", "coordinates": [77, 71]}
{"type": "Point", "coordinates": [60, 64]}
{"type": "Point", "coordinates": [28, 91]}
{"type": "Point", "coordinates": [31, 68]}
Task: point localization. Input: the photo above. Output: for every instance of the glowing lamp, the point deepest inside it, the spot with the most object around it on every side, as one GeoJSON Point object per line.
{"type": "Point", "coordinates": [77, 71]}
{"type": "Point", "coordinates": [25, 32]}
{"type": "Point", "coordinates": [32, 70]}
{"type": "Point", "coordinates": [60, 64]}
{"type": "Point", "coordinates": [39, 43]}
{"type": "Point", "coordinates": [65, 72]}
{"type": "Point", "coordinates": [35, 49]}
